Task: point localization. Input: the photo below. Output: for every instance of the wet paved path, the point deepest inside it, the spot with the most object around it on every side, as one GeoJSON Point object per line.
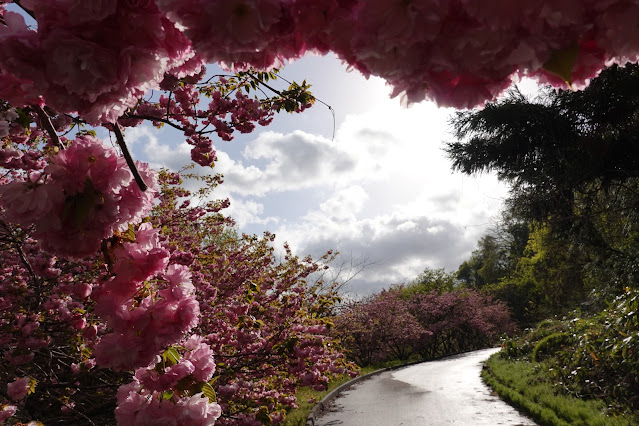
{"type": "Point", "coordinates": [443, 392]}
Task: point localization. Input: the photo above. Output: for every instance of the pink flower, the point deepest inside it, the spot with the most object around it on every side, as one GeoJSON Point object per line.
{"type": "Point", "coordinates": [202, 358]}
{"type": "Point", "coordinates": [135, 204]}
{"type": "Point", "coordinates": [137, 262]}
{"type": "Point", "coordinates": [30, 327]}
{"type": "Point", "coordinates": [18, 389]}
{"type": "Point", "coordinates": [90, 332]}
{"type": "Point", "coordinates": [7, 411]}
{"type": "Point", "coordinates": [233, 30]}
{"type": "Point", "coordinates": [88, 195]}
{"type": "Point", "coordinates": [197, 411]}
{"type": "Point", "coordinates": [8, 154]}
{"type": "Point", "coordinates": [153, 380]}
{"type": "Point", "coordinates": [141, 407]}
{"type": "Point", "coordinates": [179, 278]}
{"type": "Point", "coordinates": [88, 158]}
{"type": "Point", "coordinates": [20, 62]}
{"type": "Point", "coordinates": [130, 405]}
{"type": "Point", "coordinates": [26, 202]}
{"type": "Point", "coordinates": [82, 290]}
{"type": "Point", "coordinates": [111, 68]}
{"type": "Point", "coordinates": [122, 352]}
{"type": "Point", "coordinates": [78, 66]}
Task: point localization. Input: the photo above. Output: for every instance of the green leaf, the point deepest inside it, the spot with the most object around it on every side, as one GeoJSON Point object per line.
{"type": "Point", "coordinates": [171, 356]}
{"type": "Point", "coordinates": [129, 234]}
{"type": "Point", "coordinates": [23, 119]}
{"type": "Point", "coordinates": [32, 385]}
{"type": "Point", "coordinates": [209, 392]}
{"type": "Point", "coordinates": [561, 63]}
{"type": "Point", "coordinates": [253, 287]}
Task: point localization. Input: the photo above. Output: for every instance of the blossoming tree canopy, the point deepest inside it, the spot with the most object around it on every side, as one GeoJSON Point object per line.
{"type": "Point", "coordinates": [99, 58]}
{"type": "Point", "coordinates": [90, 275]}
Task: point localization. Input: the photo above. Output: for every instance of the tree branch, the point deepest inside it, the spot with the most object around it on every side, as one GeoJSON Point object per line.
{"type": "Point", "coordinates": [48, 126]}
{"type": "Point", "coordinates": [27, 11]}
{"type": "Point", "coordinates": [127, 156]}
{"type": "Point", "coordinates": [23, 258]}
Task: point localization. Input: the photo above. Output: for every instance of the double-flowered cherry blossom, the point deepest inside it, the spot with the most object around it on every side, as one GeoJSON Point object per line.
{"type": "Point", "coordinates": [459, 53]}
{"type": "Point", "coordinates": [83, 196]}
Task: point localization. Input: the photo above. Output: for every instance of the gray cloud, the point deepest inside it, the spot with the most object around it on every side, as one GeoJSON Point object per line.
{"type": "Point", "coordinates": [399, 246]}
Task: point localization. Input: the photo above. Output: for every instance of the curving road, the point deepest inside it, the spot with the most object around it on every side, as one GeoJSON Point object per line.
{"type": "Point", "coordinates": [443, 392]}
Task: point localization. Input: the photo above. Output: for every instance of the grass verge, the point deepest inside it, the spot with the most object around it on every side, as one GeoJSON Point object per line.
{"type": "Point", "coordinates": [524, 385]}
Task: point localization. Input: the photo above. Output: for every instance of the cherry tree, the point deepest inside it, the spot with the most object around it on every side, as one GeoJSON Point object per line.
{"type": "Point", "coordinates": [395, 324]}
{"type": "Point", "coordinates": [379, 328]}
{"type": "Point", "coordinates": [91, 279]}
{"type": "Point", "coordinates": [109, 283]}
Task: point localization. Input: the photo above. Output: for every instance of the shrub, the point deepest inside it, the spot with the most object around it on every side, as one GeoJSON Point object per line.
{"type": "Point", "coordinates": [549, 345]}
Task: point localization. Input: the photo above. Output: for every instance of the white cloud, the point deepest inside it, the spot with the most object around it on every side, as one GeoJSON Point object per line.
{"type": "Point", "coordinates": [145, 142]}
{"type": "Point", "coordinates": [382, 189]}
{"type": "Point", "coordinates": [344, 204]}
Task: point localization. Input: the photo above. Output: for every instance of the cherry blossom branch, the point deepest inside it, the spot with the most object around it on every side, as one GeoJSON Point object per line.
{"type": "Point", "coordinates": [27, 11]}
{"type": "Point", "coordinates": [79, 413]}
{"type": "Point", "coordinates": [330, 108]}
{"type": "Point", "coordinates": [127, 156]}
{"type": "Point", "coordinates": [45, 120]}
{"type": "Point", "coordinates": [158, 119]}
{"type": "Point", "coordinates": [23, 258]}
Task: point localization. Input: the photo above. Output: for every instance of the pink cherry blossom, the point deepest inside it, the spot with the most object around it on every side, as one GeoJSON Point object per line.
{"type": "Point", "coordinates": [7, 411]}
{"type": "Point", "coordinates": [18, 389]}
{"type": "Point", "coordinates": [201, 356]}
{"type": "Point", "coordinates": [26, 202]}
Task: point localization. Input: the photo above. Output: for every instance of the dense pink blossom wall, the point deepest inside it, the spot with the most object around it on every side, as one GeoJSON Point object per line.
{"type": "Point", "coordinates": [459, 53]}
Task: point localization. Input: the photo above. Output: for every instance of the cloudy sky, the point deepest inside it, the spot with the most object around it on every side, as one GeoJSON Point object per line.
{"type": "Point", "coordinates": [380, 190]}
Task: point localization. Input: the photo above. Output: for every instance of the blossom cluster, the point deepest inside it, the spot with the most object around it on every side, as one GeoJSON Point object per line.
{"type": "Point", "coordinates": [264, 313]}
{"type": "Point", "coordinates": [84, 195]}
{"type": "Point", "coordinates": [93, 59]}
{"type": "Point", "coordinates": [459, 53]}
{"type": "Point", "coordinates": [142, 401]}
{"type": "Point", "coordinates": [135, 304]}
{"type": "Point", "coordinates": [224, 115]}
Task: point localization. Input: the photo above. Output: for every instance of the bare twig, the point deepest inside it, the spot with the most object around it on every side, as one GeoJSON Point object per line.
{"type": "Point", "coordinates": [127, 156]}
{"type": "Point", "coordinates": [330, 108]}
{"type": "Point", "coordinates": [48, 126]}
{"type": "Point", "coordinates": [158, 119]}
{"type": "Point", "coordinates": [23, 258]}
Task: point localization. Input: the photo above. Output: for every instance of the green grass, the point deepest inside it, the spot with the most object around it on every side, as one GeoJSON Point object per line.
{"type": "Point", "coordinates": [524, 385]}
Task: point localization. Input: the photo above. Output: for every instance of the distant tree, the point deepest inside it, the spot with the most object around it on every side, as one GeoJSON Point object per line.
{"type": "Point", "coordinates": [391, 326]}
{"type": "Point", "coordinates": [547, 279]}
{"type": "Point", "coordinates": [379, 328]}
{"type": "Point", "coordinates": [458, 321]}
{"type": "Point", "coordinates": [431, 280]}
{"type": "Point", "coordinates": [556, 146]}
{"type": "Point", "coordinates": [497, 253]}
{"type": "Point", "coordinates": [572, 160]}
